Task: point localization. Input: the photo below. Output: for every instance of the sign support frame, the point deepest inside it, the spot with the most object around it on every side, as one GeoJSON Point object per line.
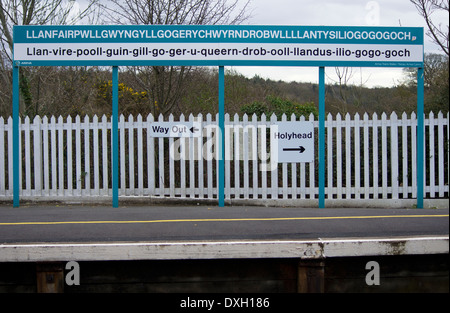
{"type": "Point", "coordinates": [16, 136]}
{"type": "Point", "coordinates": [221, 154]}
{"type": "Point", "coordinates": [115, 136]}
{"type": "Point", "coordinates": [321, 137]}
{"type": "Point", "coordinates": [420, 137]}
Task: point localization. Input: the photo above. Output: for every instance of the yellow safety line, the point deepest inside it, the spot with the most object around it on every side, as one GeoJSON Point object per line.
{"type": "Point", "coordinates": [224, 220]}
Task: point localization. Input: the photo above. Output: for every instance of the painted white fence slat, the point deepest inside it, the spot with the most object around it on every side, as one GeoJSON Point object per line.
{"type": "Point", "coordinates": [375, 160]}
{"type": "Point", "coordinates": [228, 155]}
{"type": "Point", "coordinates": [2, 159]}
{"type": "Point", "coordinates": [104, 128]}
{"type": "Point", "coordinates": [130, 154]}
{"type": "Point", "coordinates": [339, 156]}
{"type": "Point", "coordinates": [274, 168]}
{"type": "Point", "coordinates": [357, 167]}
{"type": "Point", "coordinates": [78, 175]}
{"type": "Point", "coordinates": [413, 153]}
{"type": "Point", "coordinates": [140, 150]}
{"type": "Point", "coordinates": [384, 163]}
{"type": "Point", "coordinates": [366, 156]}
{"type": "Point", "coordinates": [312, 168]}
{"type": "Point", "coordinates": [69, 143]}
{"type": "Point", "coordinates": [294, 176]}
{"type": "Point", "coordinates": [201, 174]}
{"type": "Point", "coordinates": [432, 154]}
{"type": "Point", "coordinates": [191, 158]}
{"type": "Point", "coordinates": [96, 150]}
{"type": "Point", "coordinates": [404, 124]}
{"type": "Point", "coordinates": [10, 155]}
{"type": "Point", "coordinates": [284, 172]}
{"type": "Point", "coordinates": [329, 163]}
{"type": "Point", "coordinates": [348, 160]}
{"type": "Point", "coordinates": [150, 157]}
{"type": "Point", "coordinates": [45, 157]}
{"type": "Point", "coordinates": [27, 157]}
{"type": "Point", "coordinates": [441, 158]}
{"type": "Point", "coordinates": [182, 156]}
{"type": "Point", "coordinates": [87, 156]}
{"type": "Point", "coordinates": [264, 157]}
{"type": "Point", "coordinates": [122, 152]}
{"type": "Point", "coordinates": [394, 155]}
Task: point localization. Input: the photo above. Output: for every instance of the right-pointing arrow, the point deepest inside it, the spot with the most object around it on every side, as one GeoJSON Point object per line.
{"type": "Point", "coordinates": [300, 149]}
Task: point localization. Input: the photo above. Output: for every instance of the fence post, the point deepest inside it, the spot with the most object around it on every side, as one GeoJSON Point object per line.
{"type": "Point", "coordinates": [16, 135]}
{"type": "Point", "coordinates": [115, 136]}
{"type": "Point", "coordinates": [420, 137]}
{"type": "Point", "coordinates": [322, 137]}
{"type": "Point", "coordinates": [221, 184]}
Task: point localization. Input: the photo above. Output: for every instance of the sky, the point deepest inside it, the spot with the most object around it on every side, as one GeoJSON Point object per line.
{"type": "Point", "coordinates": [337, 13]}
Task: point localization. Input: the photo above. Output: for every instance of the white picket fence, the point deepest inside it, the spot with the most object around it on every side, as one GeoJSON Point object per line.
{"type": "Point", "coordinates": [366, 158]}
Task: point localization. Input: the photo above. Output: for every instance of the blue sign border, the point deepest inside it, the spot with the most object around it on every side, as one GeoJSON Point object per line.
{"type": "Point", "coordinates": [255, 34]}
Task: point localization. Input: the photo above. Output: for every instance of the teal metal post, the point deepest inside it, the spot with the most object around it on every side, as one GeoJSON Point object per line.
{"type": "Point", "coordinates": [16, 136]}
{"type": "Point", "coordinates": [322, 137]}
{"type": "Point", "coordinates": [420, 138]}
{"type": "Point", "coordinates": [115, 136]}
{"type": "Point", "coordinates": [221, 177]}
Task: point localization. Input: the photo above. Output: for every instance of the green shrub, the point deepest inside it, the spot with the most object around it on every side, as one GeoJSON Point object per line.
{"type": "Point", "coordinates": [279, 106]}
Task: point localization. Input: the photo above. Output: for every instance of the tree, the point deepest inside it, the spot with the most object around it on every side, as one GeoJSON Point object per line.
{"type": "Point", "coordinates": [344, 92]}
{"type": "Point", "coordinates": [32, 12]}
{"type": "Point", "coordinates": [37, 12]}
{"type": "Point", "coordinates": [436, 81]}
{"type": "Point", "coordinates": [438, 33]}
{"type": "Point", "coordinates": [436, 67]}
{"type": "Point", "coordinates": [165, 85]}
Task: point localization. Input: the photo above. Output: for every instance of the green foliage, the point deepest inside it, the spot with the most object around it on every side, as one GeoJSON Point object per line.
{"type": "Point", "coordinates": [279, 106]}
{"type": "Point", "coordinates": [256, 107]}
{"type": "Point", "coordinates": [25, 91]}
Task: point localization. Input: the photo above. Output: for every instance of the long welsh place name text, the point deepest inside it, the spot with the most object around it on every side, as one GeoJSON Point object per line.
{"type": "Point", "coordinates": [143, 34]}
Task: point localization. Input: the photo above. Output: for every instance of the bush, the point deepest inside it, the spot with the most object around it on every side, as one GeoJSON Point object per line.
{"type": "Point", "coordinates": [280, 106]}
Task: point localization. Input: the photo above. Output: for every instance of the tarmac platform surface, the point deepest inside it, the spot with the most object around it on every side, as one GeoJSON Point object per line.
{"type": "Point", "coordinates": [58, 224]}
{"type": "Point", "coordinates": [74, 232]}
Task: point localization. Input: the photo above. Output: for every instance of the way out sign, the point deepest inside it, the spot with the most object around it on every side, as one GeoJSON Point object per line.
{"type": "Point", "coordinates": [175, 129]}
{"type": "Point", "coordinates": [293, 142]}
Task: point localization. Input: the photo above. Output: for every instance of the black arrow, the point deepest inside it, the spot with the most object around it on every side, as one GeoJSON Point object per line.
{"type": "Point", "coordinates": [300, 149]}
{"type": "Point", "coordinates": [193, 129]}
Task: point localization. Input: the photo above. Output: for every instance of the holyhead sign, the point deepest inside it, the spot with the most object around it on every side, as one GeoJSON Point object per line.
{"type": "Point", "coordinates": [218, 45]}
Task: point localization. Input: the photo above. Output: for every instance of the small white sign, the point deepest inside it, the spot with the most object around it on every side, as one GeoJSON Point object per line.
{"type": "Point", "coordinates": [293, 141]}
{"type": "Point", "coordinates": [175, 129]}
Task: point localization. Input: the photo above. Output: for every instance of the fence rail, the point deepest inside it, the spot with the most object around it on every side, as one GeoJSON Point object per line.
{"type": "Point", "coordinates": [366, 158]}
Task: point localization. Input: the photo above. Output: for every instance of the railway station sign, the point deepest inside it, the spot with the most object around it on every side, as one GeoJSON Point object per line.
{"type": "Point", "coordinates": [293, 142]}
{"type": "Point", "coordinates": [221, 45]}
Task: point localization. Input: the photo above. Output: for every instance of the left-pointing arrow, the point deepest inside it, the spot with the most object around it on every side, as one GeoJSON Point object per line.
{"type": "Point", "coordinates": [193, 129]}
{"type": "Point", "coordinates": [300, 149]}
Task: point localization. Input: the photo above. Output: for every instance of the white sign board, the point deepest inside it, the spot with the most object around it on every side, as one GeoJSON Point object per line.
{"type": "Point", "coordinates": [175, 129]}
{"type": "Point", "coordinates": [293, 141]}
{"type": "Point", "coordinates": [223, 45]}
